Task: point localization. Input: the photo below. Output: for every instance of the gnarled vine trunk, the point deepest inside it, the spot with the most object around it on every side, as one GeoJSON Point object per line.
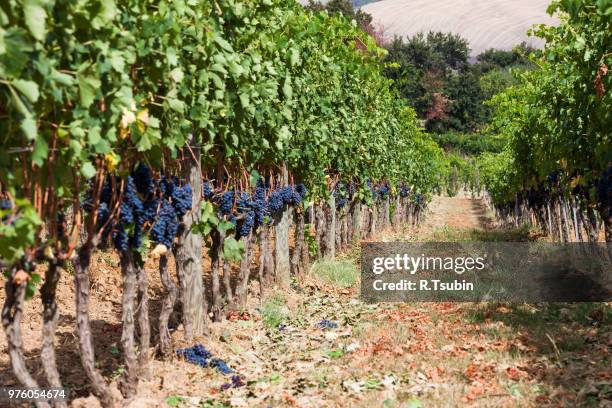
{"type": "Point", "coordinates": [242, 288]}
{"type": "Point", "coordinates": [188, 252]}
{"type": "Point", "coordinates": [144, 325]}
{"type": "Point", "coordinates": [356, 237]}
{"type": "Point", "coordinates": [167, 307]}
{"type": "Point", "coordinates": [216, 255]}
{"type": "Point", "coordinates": [12, 312]}
{"type": "Point", "coordinates": [50, 318]}
{"type": "Point", "coordinates": [129, 380]}
{"type": "Point", "coordinates": [266, 267]}
{"type": "Point", "coordinates": [108, 396]}
{"type": "Point", "coordinates": [296, 264]}
{"type": "Point", "coordinates": [319, 229]}
{"type": "Point", "coordinates": [227, 280]}
{"type": "Point", "coordinates": [282, 267]}
{"type": "Point", "coordinates": [330, 233]}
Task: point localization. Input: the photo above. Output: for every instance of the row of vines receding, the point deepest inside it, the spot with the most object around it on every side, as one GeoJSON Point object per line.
{"type": "Point", "coordinates": [556, 169]}
{"type": "Point", "coordinates": [158, 128]}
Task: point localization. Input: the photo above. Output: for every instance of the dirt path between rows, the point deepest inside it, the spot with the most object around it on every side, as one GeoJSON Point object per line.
{"type": "Point", "coordinates": [459, 212]}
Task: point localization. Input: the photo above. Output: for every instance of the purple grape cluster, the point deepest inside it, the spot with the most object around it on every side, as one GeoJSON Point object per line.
{"type": "Point", "coordinates": [276, 203]}
{"type": "Point", "coordinates": [253, 209]}
{"type": "Point", "coordinates": [5, 205]}
{"type": "Point", "coordinates": [404, 190]}
{"type": "Point", "coordinates": [419, 199]}
{"type": "Point", "coordinates": [260, 206]}
{"type": "Point", "coordinates": [301, 190]}
{"type": "Point", "coordinates": [200, 355]}
{"type": "Point", "coordinates": [249, 211]}
{"type": "Point", "coordinates": [221, 366]}
{"type": "Point", "coordinates": [288, 195]}
{"type": "Point", "coordinates": [604, 190]}
{"type": "Point", "coordinates": [128, 232]}
{"type": "Point", "coordinates": [143, 179]}
{"type": "Point", "coordinates": [383, 191]}
{"type": "Point", "coordinates": [326, 324]}
{"type": "Point", "coordinates": [166, 225]}
{"type": "Point", "coordinates": [247, 224]}
{"type": "Point", "coordinates": [145, 200]}
{"type": "Point", "coordinates": [226, 202]}
{"type": "Point", "coordinates": [207, 189]}
{"type": "Point", "coordinates": [182, 199]}
{"type": "Point", "coordinates": [341, 195]}
{"type": "Point", "coordinates": [236, 382]}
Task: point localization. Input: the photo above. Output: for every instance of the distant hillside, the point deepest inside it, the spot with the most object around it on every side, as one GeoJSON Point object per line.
{"type": "Point", "coordinates": [484, 23]}
{"type": "Point", "coordinates": [356, 3]}
{"type": "Point", "coordinates": [359, 3]}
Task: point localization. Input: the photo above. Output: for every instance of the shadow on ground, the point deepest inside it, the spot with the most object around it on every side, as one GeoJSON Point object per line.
{"type": "Point", "coordinates": [570, 344]}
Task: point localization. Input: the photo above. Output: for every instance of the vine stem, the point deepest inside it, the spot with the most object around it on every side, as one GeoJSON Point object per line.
{"type": "Point", "coordinates": [12, 312]}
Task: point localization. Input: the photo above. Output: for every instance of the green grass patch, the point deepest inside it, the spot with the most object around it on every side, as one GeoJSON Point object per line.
{"type": "Point", "coordinates": [175, 400]}
{"type": "Point", "coordinates": [274, 310]}
{"type": "Point", "coordinates": [334, 354]}
{"type": "Point", "coordinates": [338, 272]}
{"type": "Point", "coordinates": [447, 234]}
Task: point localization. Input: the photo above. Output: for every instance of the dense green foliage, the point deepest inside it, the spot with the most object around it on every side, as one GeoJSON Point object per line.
{"type": "Point", "coordinates": [433, 73]}
{"type": "Point", "coordinates": [90, 88]}
{"type": "Point", "coordinates": [557, 119]}
{"type": "Point", "coordinates": [470, 144]}
{"type": "Point", "coordinates": [347, 9]}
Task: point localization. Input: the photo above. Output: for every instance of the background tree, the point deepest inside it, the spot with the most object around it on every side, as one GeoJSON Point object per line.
{"type": "Point", "coordinates": [433, 73]}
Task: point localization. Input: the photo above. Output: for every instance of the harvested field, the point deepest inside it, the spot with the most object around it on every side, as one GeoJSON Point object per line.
{"type": "Point", "coordinates": [484, 23]}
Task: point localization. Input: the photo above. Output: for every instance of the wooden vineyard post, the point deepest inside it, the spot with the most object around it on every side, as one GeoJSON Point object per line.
{"type": "Point", "coordinates": [188, 252]}
{"type": "Point", "coordinates": [330, 244]}
{"type": "Point", "coordinates": [397, 219]}
{"type": "Point", "coordinates": [356, 221]}
{"type": "Point", "coordinates": [319, 229]}
{"type": "Point", "coordinates": [296, 264]}
{"type": "Point", "coordinates": [387, 213]}
{"type": "Point", "coordinates": [282, 265]}
{"type": "Point", "coordinates": [374, 216]}
{"type": "Point", "coordinates": [165, 341]}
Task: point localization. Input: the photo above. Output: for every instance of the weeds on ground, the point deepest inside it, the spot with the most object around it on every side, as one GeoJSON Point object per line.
{"type": "Point", "coordinates": [341, 272]}
{"type": "Point", "coordinates": [274, 311]}
{"type": "Point", "coordinates": [447, 234]}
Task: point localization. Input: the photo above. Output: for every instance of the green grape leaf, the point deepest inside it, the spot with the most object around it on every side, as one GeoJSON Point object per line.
{"type": "Point", "coordinates": [29, 89]}
{"type": "Point", "coordinates": [88, 170]}
{"type": "Point", "coordinates": [41, 150]}
{"type": "Point", "coordinates": [35, 17]}
{"type": "Point", "coordinates": [88, 86]}
{"type": "Point", "coordinates": [28, 125]}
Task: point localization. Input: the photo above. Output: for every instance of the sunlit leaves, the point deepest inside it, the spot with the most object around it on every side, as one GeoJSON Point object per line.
{"type": "Point", "coordinates": [35, 17]}
{"type": "Point", "coordinates": [88, 85]}
{"type": "Point", "coordinates": [558, 118]}
{"type": "Point", "coordinates": [29, 89]}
